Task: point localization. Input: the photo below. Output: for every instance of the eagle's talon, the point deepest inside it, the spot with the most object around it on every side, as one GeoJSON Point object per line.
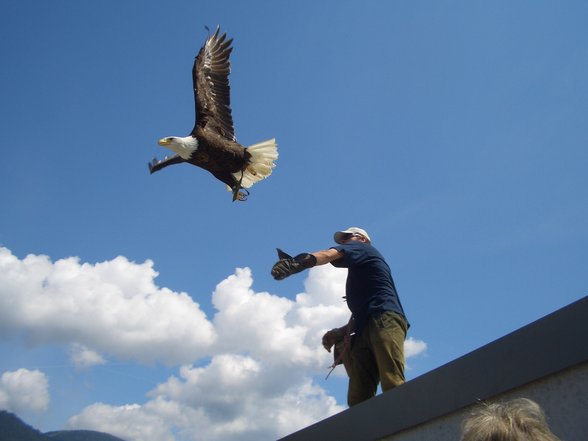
{"type": "Point", "coordinates": [151, 164]}
{"type": "Point", "coordinates": [241, 195]}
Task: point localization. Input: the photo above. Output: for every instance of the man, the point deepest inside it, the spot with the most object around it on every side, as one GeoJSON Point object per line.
{"type": "Point", "coordinates": [377, 353]}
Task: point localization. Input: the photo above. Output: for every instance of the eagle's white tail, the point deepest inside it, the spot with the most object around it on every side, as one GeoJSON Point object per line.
{"type": "Point", "coordinates": [263, 155]}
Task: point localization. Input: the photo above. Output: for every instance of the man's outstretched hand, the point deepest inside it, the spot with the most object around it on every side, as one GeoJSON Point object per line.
{"type": "Point", "coordinates": [288, 265]}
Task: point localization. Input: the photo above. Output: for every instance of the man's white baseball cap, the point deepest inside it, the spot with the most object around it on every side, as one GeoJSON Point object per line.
{"type": "Point", "coordinates": [339, 235]}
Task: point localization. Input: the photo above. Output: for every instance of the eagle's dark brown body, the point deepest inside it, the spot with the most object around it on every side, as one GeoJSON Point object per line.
{"type": "Point", "coordinates": [212, 144]}
{"type": "Point", "coordinates": [219, 156]}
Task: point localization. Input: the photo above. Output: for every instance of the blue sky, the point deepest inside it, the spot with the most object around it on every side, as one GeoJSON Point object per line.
{"type": "Point", "coordinates": [454, 132]}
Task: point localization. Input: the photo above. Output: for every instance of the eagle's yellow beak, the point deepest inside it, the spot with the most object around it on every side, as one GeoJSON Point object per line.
{"type": "Point", "coordinates": [163, 142]}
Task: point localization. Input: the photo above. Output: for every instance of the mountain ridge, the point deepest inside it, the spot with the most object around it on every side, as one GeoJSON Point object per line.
{"type": "Point", "coordinates": [12, 428]}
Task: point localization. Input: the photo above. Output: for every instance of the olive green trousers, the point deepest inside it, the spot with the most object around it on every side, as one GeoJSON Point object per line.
{"type": "Point", "coordinates": [377, 355]}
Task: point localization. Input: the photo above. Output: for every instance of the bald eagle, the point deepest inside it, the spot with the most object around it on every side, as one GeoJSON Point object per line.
{"type": "Point", "coordinates": [212, 145]}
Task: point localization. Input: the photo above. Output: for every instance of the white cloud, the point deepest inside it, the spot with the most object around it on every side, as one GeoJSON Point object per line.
{"type": "Point", "coordinates": [413, 347]}
{"type": "Point", "coordinates": [132, 422]}
{"type": "Point", "coordinates": [278, 330]}
{"type": "Point", "coordinates": [246, 373]}
{"type": "Point", "coordinates": [225, 400]}
{"type": "Point", "coordinates": [24, 390]}
{"type": "Point", "coordinates": [111, 307]}
{"type": "Point", "coordinates": [83, 358]}
{"type": "Point", "coordinates": [258, 383]}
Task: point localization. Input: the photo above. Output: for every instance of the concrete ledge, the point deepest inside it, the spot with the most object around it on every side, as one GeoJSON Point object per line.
{"type": "Point", "coordinates": [563, 397]}
{"type": "Point", "coordinates": [550, 345]}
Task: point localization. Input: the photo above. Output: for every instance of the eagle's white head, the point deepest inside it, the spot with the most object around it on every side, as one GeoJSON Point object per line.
{"type": "Point", "coordinates": [182, 146]}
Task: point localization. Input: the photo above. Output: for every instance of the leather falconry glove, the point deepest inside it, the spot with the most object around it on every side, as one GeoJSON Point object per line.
{"type": "Point", "coordinates": [288, 265]}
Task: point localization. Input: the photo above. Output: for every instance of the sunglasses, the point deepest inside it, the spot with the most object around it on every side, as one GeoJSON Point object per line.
{"type": "Point", "coordinates": [348, 236]}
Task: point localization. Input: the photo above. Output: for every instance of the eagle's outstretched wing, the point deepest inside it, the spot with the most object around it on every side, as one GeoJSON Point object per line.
{"type": "Point", "coordinates": [210, 75]}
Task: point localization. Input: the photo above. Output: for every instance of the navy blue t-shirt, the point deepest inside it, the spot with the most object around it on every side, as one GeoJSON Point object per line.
{"type": "Point", "coordinates": [370, 286]}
